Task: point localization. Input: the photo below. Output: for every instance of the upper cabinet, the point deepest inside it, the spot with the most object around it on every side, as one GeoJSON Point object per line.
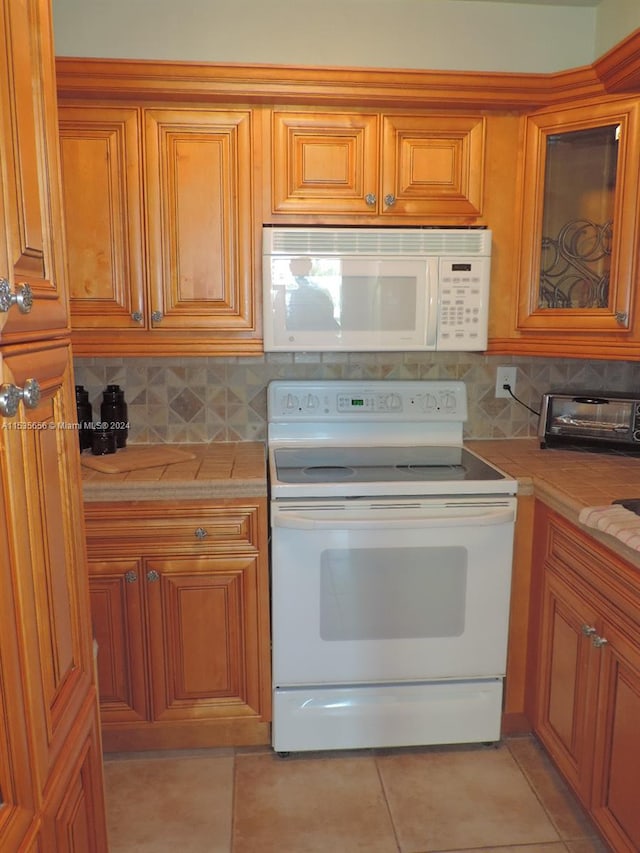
{"type": "Point", "coordinates": [369, 164]}
{"type": "Point", "coordinates": [579, 235]}
{"type": "Point", "coordinates": [32, 299]}
{"type": "Point", "coordinates": [161, 229]}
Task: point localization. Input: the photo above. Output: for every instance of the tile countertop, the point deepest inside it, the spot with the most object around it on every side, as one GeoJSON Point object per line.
{"type": "Point", "coordinates": [568, 481]}
{"type": "Point", "coordinates": [218, 470]}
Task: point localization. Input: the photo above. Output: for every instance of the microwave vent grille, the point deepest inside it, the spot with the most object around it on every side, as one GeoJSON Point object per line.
{"type": "Point", "coordinates": [376, 241]}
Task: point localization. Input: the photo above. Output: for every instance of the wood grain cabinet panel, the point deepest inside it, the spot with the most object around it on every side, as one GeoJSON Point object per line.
{"type": "Point", "coordinates": [588, 673]}
{"type": "Point", "coordinates": [377, 164]}
{"type": "Point", "coordinates": [182, 622]}
{"type": "Point", "coordinates": [103, 208]}
{"type": "Point", "coordinates": [45, 455]}
{"type": "Point", "coordinates": [30, 165]}
{"type": "Point", "coordinates": [578, 260]}
{"type": "Point", "coordinates": [117, 612]}
{"type": "Point", "coordinates": [162, 223]}
{"type": "Point", "coordinates": [48, 702]}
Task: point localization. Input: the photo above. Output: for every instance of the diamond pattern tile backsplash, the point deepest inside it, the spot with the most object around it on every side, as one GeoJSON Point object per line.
{"type": "Point", "coordinates": [195, 400]}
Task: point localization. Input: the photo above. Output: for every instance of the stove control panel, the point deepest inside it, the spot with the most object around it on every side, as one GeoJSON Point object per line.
{"type": "Point", "coordinates": [350, 400]}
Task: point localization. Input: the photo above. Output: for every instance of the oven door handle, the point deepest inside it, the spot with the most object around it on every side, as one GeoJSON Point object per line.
{"type": "Point", "coordinates": [460, 518]}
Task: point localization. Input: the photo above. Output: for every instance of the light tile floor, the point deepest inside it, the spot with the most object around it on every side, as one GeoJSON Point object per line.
{"type": "Point", "coordinates": [507, 798]}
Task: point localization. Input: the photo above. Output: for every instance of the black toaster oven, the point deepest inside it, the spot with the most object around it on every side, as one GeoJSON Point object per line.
{"type": "Point", "coordinates": [590, 420]}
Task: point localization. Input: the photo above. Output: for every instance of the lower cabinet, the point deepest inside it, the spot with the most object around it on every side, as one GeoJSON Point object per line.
{"type": "Point", "coordinates": [587, 684]}
{"type": "Point", "coordinates": [180, 606]}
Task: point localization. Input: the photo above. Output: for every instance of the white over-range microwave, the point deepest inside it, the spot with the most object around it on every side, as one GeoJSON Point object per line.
{"type": "Point", "coordinates": [374, 289]}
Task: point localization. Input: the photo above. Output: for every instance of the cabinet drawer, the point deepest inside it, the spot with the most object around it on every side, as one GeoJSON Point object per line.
{"type": "Point", "coordinates": [160, 529]}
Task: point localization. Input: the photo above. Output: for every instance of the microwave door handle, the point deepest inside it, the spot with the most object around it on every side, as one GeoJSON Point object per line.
{"type": "Point", "coordinates": [460, 518]}
{"type": "Point", "coordinates": [432, 306]}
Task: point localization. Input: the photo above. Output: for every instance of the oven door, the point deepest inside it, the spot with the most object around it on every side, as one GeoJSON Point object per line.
{"type": "Point", "coordinates": [371, 591]}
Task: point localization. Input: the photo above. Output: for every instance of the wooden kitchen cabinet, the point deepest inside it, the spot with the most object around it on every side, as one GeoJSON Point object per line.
{"type": "Point", "coordinates": [101, 166]}
{"type": "Point", "coordinates": [48, 700]}
{"type": "Point", "coordinates": [587, 685]}
{"type": "Point", "coordinates": [579, 233]}
{"type": "Point", "coordinates": [371, 164]}
{"type": "Point", "coordinates": [179, 599]}
{"type": "Point", "coordinates": [161, 228]}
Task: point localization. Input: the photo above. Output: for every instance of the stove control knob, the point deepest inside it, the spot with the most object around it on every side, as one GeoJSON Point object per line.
{"type": "Point", "coordinates": [392, 403]}
{"type": "Point", "coordinates": [448, 402]}
{"type": "Point", "coordinates": [290, 402]}
{"type": "Point", "coordinates": [310, 402]}
{"type": "Point", "coordinates": [429, 403]}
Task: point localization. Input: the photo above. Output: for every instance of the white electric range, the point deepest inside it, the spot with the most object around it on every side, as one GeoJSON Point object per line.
{"type": "Point", "coordinates": [391, 549]}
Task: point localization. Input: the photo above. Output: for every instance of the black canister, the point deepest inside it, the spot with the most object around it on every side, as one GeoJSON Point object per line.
{"type": "Point", "coordinates": [85, 417]}
{"type": "Point", "coordinates": [114, 413]}
{"type": "Point", "coordinates": [103, 441]}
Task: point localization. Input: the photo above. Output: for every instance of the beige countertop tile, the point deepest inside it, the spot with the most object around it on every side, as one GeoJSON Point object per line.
{"type": "Point", "coordinates": [219, 470]}
{"type": "Point", "coordinates": [567, 480]}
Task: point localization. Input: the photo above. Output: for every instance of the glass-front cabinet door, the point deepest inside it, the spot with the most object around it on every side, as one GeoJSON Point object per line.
{"type": "Point", "coordinates": [579, 235]}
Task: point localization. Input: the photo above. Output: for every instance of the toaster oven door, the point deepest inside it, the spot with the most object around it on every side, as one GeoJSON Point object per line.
{"type": "Point", "coordinates": [590, 418]}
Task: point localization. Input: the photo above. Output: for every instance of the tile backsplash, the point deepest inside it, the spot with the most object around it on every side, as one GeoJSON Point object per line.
{"type": "Point", "coordinates": [192, 400]}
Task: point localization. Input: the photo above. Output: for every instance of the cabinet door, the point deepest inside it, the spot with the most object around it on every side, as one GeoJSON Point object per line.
{"type": "Point", "coordinates": [42, 462]}
{"type": "Point", "coordinates": [580, 224]}
{"type": "Point", "coordinates": [617, 747]}
{"type": "Point", "coordinates": [30, 170]}
{"type": "Point", "coordinates": [73, 813]}
{"type": "Point", "coordinates": [17, 809]}
{"type": "Point", "coordinates": [102, 198]}
{"type": "Point", "coordinates": [567, 682]}
{"type": "Point", "coordinates": [203, 637]}
{"type": "Point", "coordinates": [200, 220]}
{"type": "Point", "coordinates": [325, 163]}
{"type": "Point", "coordinates": [432, 165]}
{"type": "Point", "coordinates": [117, 613]}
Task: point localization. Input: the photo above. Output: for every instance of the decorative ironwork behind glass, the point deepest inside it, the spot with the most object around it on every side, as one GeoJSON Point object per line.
{"type": "Point", "coordinates": [574, 266]}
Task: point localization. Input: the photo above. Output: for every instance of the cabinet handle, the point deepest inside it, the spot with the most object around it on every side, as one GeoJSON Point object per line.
{"type": "Point", "coordinates": [23, 298]}
{"type": "Point", "coordinates": [200, 533]}
{"type": "Point", "coordinates": [588, 630]}
{"type": "Point", "coordinates": [390, 200]}
{"type": "Point", "coordinates": [370, 199]}
{"type": "Point", "coordinates": [622, 317]}
{"type": "Point", "coordinates": [10, 396]}
{"type": "Point", "coordinates": [137, 317]}
{"type": "Point", "coordinates": [131, 576]}
{"type": "Point", "coordinates": [153, 576]}
{"type": "Point", "coordinates": [156, 316]}
{"type": "Point", "coordinates": [599, 642]}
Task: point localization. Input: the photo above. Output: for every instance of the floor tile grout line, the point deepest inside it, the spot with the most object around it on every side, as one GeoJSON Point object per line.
{"type": "Point", "coordinates": [386, 801]}
{"type": "Point", "coordinates": [530, 782]}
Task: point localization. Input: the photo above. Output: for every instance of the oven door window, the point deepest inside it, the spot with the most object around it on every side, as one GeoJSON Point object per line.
{"type": "Point", "coordinates": [372, 594]}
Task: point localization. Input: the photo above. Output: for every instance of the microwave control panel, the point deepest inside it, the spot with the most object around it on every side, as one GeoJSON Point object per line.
{"type": "Point", "coordinates": [463, 303]}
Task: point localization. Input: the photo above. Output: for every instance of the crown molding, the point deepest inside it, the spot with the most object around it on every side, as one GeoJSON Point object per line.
{"type": "Point", "coordinates": [82, 78]}
{"type": "Point", "coordinates": [619, 68]}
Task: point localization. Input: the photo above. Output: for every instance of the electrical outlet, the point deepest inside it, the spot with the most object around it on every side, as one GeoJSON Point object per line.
{"type": "Point", "coordinates": [505, 376]}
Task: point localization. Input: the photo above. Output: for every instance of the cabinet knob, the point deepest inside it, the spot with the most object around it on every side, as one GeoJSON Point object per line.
{"type": "Point", "coordinates": [389, 200]}
{"type": "Point", "coordinates": [201, 533]}
{"type": "Point", "coordinates": [10, 396]}
{"type": "Point", "coordinates": [131, 576]}
{"type": "Point", "coordinates": [588, 630]}
{"type": "Point", "coordinates": [622, 318]}
{"type": "Point", "coordinates": [371, 199]}
{"type": "Point", "coordinates": [156, 316]}
{"type": "Point", "coordinates": [137, 317]}
{"type": "Point", "coordinates": [599, 642]}
{"type": "Point", "coordinates": [153, 576]}
{"type": "Point", "coordinates": [23, 298]}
